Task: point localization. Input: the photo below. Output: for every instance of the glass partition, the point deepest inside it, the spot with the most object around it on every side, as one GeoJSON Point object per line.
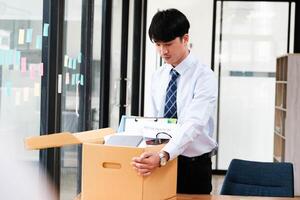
{"type": "Point", "coordinates": [252, 34]}
{"type": "Point", "coordinates": [71, 81]}
{"type": "Point", "coordinates": [114, 104]}
{"type": "Point", "coordinates": [96, 63]}
{"type": "Point", "coordinates": [21, 70]}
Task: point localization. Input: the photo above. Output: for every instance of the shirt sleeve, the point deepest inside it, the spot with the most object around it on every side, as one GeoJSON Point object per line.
{"type": "Point", "coordinates": [196, 116]}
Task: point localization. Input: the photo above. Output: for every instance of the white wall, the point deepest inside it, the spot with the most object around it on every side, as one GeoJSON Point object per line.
{"type": "Point", "coordinates": [200, 15]}
{"type": "Point", "coordinates": [253, 35]}
{"type": "Point", "coordinates": [20, 9]}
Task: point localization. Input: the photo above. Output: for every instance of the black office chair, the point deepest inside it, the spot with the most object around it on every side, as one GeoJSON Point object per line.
{"type": "Point", "coordinates": [249, 178]}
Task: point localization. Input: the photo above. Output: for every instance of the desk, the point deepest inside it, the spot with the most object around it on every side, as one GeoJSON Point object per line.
{"type": "Point", "coordinates": [227, 197]}
{"type": "Point", "coordinates": [221, 197]}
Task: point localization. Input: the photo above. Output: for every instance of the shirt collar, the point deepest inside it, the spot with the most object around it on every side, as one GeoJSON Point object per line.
{"type": "Point", "coordinates": [184, 65]}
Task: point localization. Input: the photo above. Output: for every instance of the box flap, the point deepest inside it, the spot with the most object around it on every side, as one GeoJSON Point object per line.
{"type": "Point", "coordinates": [78, 197]}
{"type": "Point", "coordinates": [94, 136]}
{"type": "Point", "coordinates": [67, 138]}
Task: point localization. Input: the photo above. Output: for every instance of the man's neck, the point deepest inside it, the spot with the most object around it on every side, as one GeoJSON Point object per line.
{"type": "Point", "coordinates": [186, 53]}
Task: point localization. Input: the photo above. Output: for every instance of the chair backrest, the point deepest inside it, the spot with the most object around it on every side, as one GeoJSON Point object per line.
{"type": "Point", "coordinates": [249, 178]}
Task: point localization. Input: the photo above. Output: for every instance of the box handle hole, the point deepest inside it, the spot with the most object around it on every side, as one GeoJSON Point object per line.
{"type": "Point", "coordinates": [111, 165]}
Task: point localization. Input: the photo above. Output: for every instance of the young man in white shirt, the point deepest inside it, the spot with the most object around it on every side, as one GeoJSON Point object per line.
{"type": "Point", "coordinates": [185, 89]}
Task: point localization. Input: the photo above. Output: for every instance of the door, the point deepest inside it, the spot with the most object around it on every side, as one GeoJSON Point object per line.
{"type": "Point", "coordinates": [21, 72]}
{"type": "Point", "coordinates": [249, 37]}
{"type": "Point", "coordinates": [71, 81]}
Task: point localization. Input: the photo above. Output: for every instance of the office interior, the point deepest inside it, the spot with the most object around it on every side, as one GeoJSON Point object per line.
{"type": "Point", "coordinates": [78, 65]}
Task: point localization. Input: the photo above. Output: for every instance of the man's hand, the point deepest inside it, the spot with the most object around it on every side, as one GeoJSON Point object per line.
{"type": "Point", "coordinates": [146, 163]}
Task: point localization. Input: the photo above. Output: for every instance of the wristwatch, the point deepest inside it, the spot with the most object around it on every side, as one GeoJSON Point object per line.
{"type": "Point", "coordinates": [162, 159]}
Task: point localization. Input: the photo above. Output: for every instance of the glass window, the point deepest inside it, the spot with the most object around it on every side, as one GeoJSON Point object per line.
{"type": "Point", "coordinates": [253, 35]}
{"type": "Point", "coordinates": [114, 105]}
{"type": "Point", "coordinates": [20, 74]}
{"type": "Point", "coordinates": [129, 61]}
{"type": "Point", "coordinates": [71, 81]}
{"type": "Point", "coordinates": [21, 70]}
{"type": "Point", "coordinates": [96, 63]}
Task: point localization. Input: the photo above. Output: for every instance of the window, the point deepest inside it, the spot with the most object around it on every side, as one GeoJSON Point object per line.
{"type": "Point", "coordinates": [20, 74]}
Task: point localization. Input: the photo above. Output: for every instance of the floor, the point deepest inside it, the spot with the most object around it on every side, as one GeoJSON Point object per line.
{"type": "Point", "coordinates": [217, 181]}
{"type": "Point", "coordinates": [68, 183]}
{"type": "Point", "coordinates": [68, 189]}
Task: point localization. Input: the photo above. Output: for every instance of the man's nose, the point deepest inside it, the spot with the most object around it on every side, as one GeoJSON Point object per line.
{"type": "Point", "coordinates": [163, 50]}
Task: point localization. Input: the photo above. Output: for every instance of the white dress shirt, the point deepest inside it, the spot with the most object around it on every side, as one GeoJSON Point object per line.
{"type": "Point", "coordinates": [196, 101]}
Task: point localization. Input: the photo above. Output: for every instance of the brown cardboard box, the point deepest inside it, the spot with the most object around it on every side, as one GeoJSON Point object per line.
{"type": "Point", "coordinates": [67, 138]}
{"type": "Point", "coordinates": [78, 197]}
{"type": "Point", "coordinates": [106, 170]}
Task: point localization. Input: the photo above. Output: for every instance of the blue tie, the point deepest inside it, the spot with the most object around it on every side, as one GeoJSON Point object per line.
{"type": "Point", "coordinates": [170, 103]}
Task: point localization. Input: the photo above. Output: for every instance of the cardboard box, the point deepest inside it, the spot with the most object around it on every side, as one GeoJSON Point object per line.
{"type": "Point", "coordinates": [106, 170]}
{"type": "Point", "coordinates": [78, 197]}
{"type": "Point", "coordinates": [67, 138]}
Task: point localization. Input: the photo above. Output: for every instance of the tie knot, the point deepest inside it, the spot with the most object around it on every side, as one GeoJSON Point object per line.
{"type": "Point", "coordinates": [174, 74]}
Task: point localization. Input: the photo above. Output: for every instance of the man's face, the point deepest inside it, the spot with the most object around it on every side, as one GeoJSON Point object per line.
{"type": "Point", "coordinates": [174, 51]}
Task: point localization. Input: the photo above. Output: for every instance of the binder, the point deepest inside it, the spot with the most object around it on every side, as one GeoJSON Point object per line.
{"type": "Point", "coordinates": [147, 127]}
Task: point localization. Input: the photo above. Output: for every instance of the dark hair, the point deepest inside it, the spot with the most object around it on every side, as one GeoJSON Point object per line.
{"type": "Point", "coordinates": [168, 24]}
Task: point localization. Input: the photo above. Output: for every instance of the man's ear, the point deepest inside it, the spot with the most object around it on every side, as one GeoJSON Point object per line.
{"type": "Point", "coordinates": [185, 38]}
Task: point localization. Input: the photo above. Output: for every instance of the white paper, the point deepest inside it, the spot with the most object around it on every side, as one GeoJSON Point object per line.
{"type": "Point", "coordinates": [26, 94]}
{"type": "Point", "coordinates": [67, 78]}
{"type": "Point", "coordinates": [37, 89]}
{"type": "Point", "coordinates": [18, 98]}
{"type": "Point", "coordinates": [66, 61]}
{"type": "Point", "coordinates": [21, 36]}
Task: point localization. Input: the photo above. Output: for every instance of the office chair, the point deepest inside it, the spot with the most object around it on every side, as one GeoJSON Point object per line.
{"type": "Point", "coordinates": [249, 178]}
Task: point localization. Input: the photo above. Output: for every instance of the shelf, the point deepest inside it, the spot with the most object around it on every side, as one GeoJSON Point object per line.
{"type": "Point", "coordinates": [286, 124]}
{"type": "Point", "coordinates": [282, 82]}
{"type": "Point", "coordinates": [280, 121]}
{"type": "Point", "coordinates": [277, 158]}
{"type": "Point", "coordinates": [279, 134]}
{"type": "Point", "coordinates": [281, 69]}
{"type": "Point", "coordinates": [280, 108]}
{"type": "Point", "coordinates": [279, 146]}
{"type": "Point", "coordinates": [280, 100]}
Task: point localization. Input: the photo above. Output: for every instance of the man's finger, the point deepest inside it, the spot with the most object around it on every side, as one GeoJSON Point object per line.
{"type": "Point", "coordinates": [147, 174]}
{"type": "Point", "coordinates": [137, 159]}
{"type": "Point", "coordinates": [146, 155]}
{"type": "Point", "coordinates": [141, 166]}
{"type": "Point", "coordinates": [143, 171]}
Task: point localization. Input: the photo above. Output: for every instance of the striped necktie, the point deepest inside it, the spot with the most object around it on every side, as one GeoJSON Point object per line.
{"type": "Point", "coordinates": [170, 102]}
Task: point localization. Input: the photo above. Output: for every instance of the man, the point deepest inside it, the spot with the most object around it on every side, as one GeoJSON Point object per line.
{"type": "Point", "coordinates": [185, 89]}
